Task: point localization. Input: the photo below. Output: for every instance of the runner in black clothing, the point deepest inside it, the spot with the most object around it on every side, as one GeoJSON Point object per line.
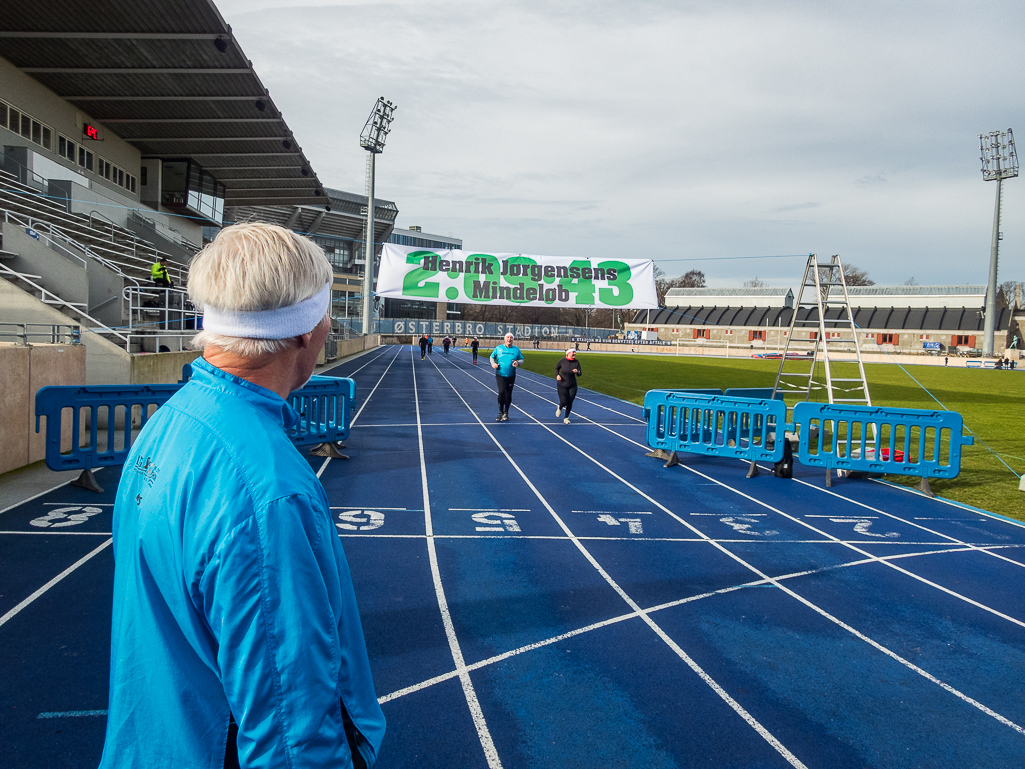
{"type": "Point", "coordinates": [566, 372]}
{"type": "Point", "coordinates": [474, 345]}
{"type": "Point", "coordinates": [423, 347]}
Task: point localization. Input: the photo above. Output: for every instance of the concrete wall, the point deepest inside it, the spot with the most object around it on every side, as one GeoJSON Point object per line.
{"type": "Point", "coordinates": [23, 370]}
{"type": "Point", "coordinates": [163, 368]}
{"type": "Point", "coordinates": [33, 98]}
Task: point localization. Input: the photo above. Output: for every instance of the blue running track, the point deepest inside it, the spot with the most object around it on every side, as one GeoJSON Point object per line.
{"type": "Point", "coordinates": [537, 594]}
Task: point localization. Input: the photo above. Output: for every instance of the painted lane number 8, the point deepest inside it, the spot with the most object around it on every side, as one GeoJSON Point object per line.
{"type": "Point", "coordinates": [63, 517]}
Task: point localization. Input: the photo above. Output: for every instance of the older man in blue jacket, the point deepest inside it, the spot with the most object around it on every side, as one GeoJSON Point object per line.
{"type": "Point", "coordinates": [236, 640]}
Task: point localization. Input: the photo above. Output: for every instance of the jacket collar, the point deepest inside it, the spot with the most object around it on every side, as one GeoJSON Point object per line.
{"type": "Point", "coordinates": [208, 375]}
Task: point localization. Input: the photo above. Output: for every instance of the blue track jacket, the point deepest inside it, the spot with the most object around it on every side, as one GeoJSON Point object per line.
{"type": "Point", "coordinates": [232, 595]}
{"type": "Point", "coordinates": [504, 357]}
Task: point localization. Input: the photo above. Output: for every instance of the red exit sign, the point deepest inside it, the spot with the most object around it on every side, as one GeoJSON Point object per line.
{"type": "Point", "coordinates": [91, 132]}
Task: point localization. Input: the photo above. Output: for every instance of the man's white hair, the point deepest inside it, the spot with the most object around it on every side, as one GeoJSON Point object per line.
{"type": "Point", "coordinates": [255, 266]}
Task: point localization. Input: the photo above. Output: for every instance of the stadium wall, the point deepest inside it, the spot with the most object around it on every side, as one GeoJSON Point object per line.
{"type": "Point", "coordinates": [23, 370]}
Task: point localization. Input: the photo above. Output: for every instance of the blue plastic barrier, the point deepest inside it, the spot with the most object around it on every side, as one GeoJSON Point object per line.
{"type": "Point", "coordinates": [324, 405]}
{"type": "Point", "coordinates": [117, 405]}
{"type": "Point", "coordinates": [716, 425]}
{"type": "Point", "coordinates": [186, 373]}
{"type": "Point", "coordinates": [880, 440]}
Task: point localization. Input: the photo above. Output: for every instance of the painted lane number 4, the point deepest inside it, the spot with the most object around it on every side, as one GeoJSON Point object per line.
{"type": "Point", "coordinates": [633, 524]}
{"type": "Point", "coordinates": [63, 517]}
{"type": "Point", "coordinates": [360, 520]}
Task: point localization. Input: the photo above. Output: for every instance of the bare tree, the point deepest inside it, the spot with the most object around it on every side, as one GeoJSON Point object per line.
{"type": "Point", "coordinates": [1010, 293]}
{"type": "Point", "coordinates": [755, 282]}
{"type": "Point", "coordinates": [911, 281]}
{"type": "Point", "coordinates": [856, 277]}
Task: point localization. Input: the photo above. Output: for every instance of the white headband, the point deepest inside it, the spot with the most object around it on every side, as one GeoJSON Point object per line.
{"type": "Point", "coordinates": [280, 323]}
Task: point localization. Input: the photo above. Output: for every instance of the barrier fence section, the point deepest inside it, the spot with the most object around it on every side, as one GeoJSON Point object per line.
{"type": "Point", "coordinates": [118, 408]}
{"type": "Point", "coordinates": [708, 422]}
{"type": "Point", "coordinates": [95, 424]}
{"type": "Point", "coordinates": [915, 442]}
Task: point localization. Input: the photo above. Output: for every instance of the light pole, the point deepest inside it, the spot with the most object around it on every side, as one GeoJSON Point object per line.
{"type": "Point", "coordinates": [999, 162]}
{"type": "Point", "coordinates": [372, 139]}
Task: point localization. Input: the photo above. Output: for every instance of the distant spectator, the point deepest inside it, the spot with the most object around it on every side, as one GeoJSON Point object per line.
{"type": "Point", "coordinates": [158, 272]}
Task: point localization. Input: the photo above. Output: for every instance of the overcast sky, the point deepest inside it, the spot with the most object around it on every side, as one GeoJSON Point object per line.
{"type": "Point", "coordinates": [668, 129]}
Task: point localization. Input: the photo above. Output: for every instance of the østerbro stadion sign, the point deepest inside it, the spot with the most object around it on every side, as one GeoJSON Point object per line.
{"type": "Point", "coordinates": [467, 277]}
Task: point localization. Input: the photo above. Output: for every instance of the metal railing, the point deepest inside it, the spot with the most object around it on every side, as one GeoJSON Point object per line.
{"type": "Point", "coordinates": [42, 333]}
{"type": "Point", "coordinates": [40, 187]}
{"type": "Point", "coordinates": [160, 308]}
{"type": "Point", "coordinates": [52, 299]}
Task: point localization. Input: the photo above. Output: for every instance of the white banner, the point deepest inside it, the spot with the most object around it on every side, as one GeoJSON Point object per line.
{"type": "Point", "coordinates": [467, 277]}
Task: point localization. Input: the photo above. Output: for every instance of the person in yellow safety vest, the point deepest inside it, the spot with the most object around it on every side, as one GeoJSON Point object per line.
{"type": "Point", "coordinates": [158, 272]}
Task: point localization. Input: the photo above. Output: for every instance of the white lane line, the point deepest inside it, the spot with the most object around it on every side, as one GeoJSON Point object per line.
{"type": "Point", "coordinates": [905, 572]}
{"type": "Point", "coordinates": [621, 618]}
{"type": "Point", "coordinates": [952, 503]}
{"type": "Point", "coordinates": [912, 523]}
{"type": "Point", "coordinates": [17, 609]}
{"type": "Point", "coordinates": [539, 379]}
{"type": "Point", "coordinates": [42, 493]}
{"type": "Point", "coordinates": [763, 732]}
{"type": "Point", "coordinates": [73, 714]}
{"type": "Point", "coordinates": [817, 609]}
{"type": "Point", "coordinates": [91, 504]}
{"type": "Point", "coordinates": [352, 422]}
{"type": "Point", "coordinates": [476, 712]}
{"type": "Point", "coordinates": [62, 533]}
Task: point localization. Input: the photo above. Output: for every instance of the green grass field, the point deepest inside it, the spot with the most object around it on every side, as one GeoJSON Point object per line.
{"type": "Point", "coordinates": [992, 404]}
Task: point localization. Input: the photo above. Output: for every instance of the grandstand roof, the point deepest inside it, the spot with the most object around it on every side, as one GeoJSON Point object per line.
{"type": "Point", "coordinates": [882, 318]}
{"type": "Point", "coordinates": [168, 77]}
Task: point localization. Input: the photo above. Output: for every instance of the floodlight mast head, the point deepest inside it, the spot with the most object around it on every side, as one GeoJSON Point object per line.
{"type": "Point", "coordinates": [377, 127]}
{"type": "Point", "coordinates": [999, 158]}
{"type": "Point", "coordinates": [999, 162]}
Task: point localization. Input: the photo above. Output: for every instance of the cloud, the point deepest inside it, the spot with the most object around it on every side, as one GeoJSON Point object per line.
{"type": "Point", "coordinates": [665, 129]}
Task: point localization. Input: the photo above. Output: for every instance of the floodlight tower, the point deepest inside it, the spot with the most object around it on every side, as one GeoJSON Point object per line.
{"type": "Point", "coordinates": [999, 162]}
{"type": "Point", "coordinates": [372, 140]}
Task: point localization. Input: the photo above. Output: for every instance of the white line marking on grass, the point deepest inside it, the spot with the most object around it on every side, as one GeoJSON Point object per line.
{"type": "Point", "coordinates": [764, 733]}
{"type": "Point", "coordinates": [352, 422]}
{"type": "Point", "coordinates": [17, 609]}
{"type": "Point", "coordinates": [870, 557]}
{"type": "Point", "coordinates": [476, 712]}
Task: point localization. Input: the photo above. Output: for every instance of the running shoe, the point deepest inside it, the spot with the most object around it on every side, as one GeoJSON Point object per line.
{"type": "Point", "coordinates": [558, 411]}
{"type": "Point", "coordinates": [505, 417]}
{"type": "Point", "coordinates": [565, 421]}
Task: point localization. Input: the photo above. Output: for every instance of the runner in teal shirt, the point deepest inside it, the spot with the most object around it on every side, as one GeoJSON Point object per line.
{"type": "Point", "coordinates": [505, 358]}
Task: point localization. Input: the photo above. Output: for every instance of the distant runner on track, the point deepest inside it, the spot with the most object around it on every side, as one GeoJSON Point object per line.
{"type": "Point", "coordinates": [566, 372]}
{"type": "Point", "coordinates": [505, 359]}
